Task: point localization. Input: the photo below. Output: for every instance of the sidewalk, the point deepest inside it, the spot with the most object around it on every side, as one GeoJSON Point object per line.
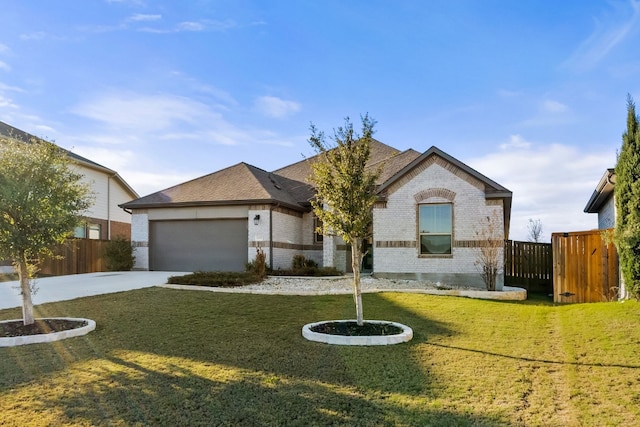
{"type": "Point", "coordinates": [60, 288]}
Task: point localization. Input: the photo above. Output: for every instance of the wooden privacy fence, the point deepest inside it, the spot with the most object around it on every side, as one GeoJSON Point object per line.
{"type": "Point", "coordinates": [585, 267]}
{"type": "Point", "coordinates": [75, 257]}
{"type": "Point", "coordinates": [529, 265]}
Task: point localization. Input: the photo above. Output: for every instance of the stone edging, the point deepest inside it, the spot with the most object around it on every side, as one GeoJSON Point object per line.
{"type": "Point", "coordinates": [44, 338]}
{"type": "Point", "coordinates": [404, 336]}
{"type": "Point", "coordinates": [508, 293]}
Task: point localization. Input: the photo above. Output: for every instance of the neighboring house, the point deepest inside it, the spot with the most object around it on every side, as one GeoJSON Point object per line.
{"type": "Point", "coordinates": [603, 202]}
{"type": "Point", "coordinates": [104, 220]}
{"type": "Point", "coordinates": [424, 225]}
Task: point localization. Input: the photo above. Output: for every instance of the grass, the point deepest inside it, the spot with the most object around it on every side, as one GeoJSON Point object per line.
{"type": "Point", "coordinates": [170, 357]}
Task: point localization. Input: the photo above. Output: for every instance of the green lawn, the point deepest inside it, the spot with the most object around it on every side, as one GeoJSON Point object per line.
{"type": "Point", "coordinates": [169, 357]}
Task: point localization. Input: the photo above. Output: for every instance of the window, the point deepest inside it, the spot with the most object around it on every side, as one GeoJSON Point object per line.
{"type": "Point", "coordinates": [94, 231]}
{"type": "Point", "coordinates": [317, 223]}
{"type": "Point", "coordinates": [88, 231]}
{"type": "Point", "coordinates": [435, 228]}
{"type": "Point", "coordinates": [80, 232]}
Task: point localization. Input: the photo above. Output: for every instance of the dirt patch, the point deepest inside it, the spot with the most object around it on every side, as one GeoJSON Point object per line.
{"type": "Point", "coordinates": [16, 328]}
{"type": "Point", "coordinates": [352, 329]}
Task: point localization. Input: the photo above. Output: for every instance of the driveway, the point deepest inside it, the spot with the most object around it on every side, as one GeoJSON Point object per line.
{"type": "Point", "coordinates": [60, 288]}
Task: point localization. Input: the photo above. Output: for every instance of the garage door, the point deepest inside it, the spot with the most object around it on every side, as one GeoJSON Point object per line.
{"type": "Point", "coordinates": [204, 245]}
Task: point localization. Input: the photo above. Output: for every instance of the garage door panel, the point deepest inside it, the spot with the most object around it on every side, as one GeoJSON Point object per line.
{"type": "Point", "coordinates": [204, 245]}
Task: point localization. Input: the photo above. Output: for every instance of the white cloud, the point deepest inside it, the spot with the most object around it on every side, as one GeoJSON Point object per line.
{"type": "Point", "coordinates": [607, 35]}
{"type": "Point", "coordinates": [549, 182]}
{"type": "Point", "coordinates": [190, 26]}
{"type": "Point", "coordinates": [140, 17]}
{"type": "Point", "coordinates": [4, 66]}
{"type": "Point", "coordinates": [39, 35]}
{"type": "Point", "coordinates": [142, 113]}
{"type": "Point", "coordinates": [515, 141]}
{"type": "Point", "coordinates": [193, 26]}
{"type": "Point", "coordinates": [552, 106]}
{"type": "Point", "coordinates": [7, 102]}
{"type": "Point", "coordinates": [275, 107]}
{"type": "Point", "coordinates": [550, 113]}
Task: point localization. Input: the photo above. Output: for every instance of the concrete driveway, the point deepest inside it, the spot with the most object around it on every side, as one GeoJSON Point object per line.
{"type": "Point", "coordinates": [60, 288]}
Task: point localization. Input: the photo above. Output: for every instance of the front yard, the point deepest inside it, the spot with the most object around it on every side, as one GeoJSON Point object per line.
{"type": "Point", "coordinates": [169, 357]}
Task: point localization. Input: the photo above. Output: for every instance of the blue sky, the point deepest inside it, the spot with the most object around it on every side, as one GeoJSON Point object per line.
{"type": "Point", "coordinates": [530, 93]}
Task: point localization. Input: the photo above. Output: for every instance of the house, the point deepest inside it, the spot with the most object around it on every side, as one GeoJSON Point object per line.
{"type": "Point", "coordinates": [104, 220]}
{"type": "Point", "coordinates": [424, 224]}
{"type": "Point", "coordinates": [602, 201]}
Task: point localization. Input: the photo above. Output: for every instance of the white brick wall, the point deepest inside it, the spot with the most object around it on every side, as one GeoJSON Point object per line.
{"type": "Point", "coordinates": [140, 240]}
{"type": "Point", "coordinates": [398, 222]}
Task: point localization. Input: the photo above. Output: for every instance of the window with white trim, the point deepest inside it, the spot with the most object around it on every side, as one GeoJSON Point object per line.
{"type": "Point", "coordinates": [435, 228]}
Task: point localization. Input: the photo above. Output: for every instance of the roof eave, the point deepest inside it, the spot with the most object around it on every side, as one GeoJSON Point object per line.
{"type": "Point", "coordinates": [603, 191]}
{"type": "Point", "coordinates": [131, 205]}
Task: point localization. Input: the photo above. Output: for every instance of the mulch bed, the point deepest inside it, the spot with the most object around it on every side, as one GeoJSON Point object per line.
{"type": "Point", "coordinates": [352, 329]}
{"type": "Point", "coordinates": [17, 328]}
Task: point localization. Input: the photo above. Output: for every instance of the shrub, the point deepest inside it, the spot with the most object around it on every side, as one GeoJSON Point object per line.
{"type": "Point", "coordinates": [216, 279]}
{"type": "Point", "coordinates": [300, 262]}
{"type": "Point", "coordinates": [258, 265]}
{"type": "Point", "coordinates": [119, 255]}
{"type": "Point", "coordinates": [308, 271]}
{"type": "Point", "coordinates": [488, 257]}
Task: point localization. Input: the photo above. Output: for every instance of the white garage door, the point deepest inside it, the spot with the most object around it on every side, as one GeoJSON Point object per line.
{"type": "Point", "coordinates": [203, 245]}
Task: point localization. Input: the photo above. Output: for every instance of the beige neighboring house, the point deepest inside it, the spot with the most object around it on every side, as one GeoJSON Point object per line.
{"type": "Point", "coordinates": [104, 220]}
{"type": "Point", "coordinates": [424, 225]}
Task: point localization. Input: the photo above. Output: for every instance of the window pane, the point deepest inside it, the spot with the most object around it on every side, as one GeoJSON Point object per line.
{"type": "Point", "coordinates": [435, 244]}
{"type": "Point", "coordinates": [435, 218]}
{"type": "Point", "coordinates": [80, 232]}
{"type": "Point", "coordinates": [94, 231]}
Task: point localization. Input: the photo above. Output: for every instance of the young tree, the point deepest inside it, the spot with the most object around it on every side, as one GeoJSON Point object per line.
{"type": "Point", "coordinates": [490, 253]}
{"type": "Point", "coordinates": [41, 200]}
{"type": "Point", "coordinates": [535, 230]}
{"type": "Point", "coordinates": [345, 190]}
{"type": "Point", "coordinates": [627, 195]}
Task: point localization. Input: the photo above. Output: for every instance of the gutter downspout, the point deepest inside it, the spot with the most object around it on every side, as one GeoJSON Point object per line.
{"type": "Point", "coordinates": [109, 207]}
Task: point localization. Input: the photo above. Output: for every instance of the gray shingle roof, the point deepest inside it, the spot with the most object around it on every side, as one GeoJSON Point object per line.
{"type": "Point", "coordinates": [243, 184]}
{"type": "Point", "coordinates": [247, 184]}
{"type": "Point", "coordinates": [238, 184]}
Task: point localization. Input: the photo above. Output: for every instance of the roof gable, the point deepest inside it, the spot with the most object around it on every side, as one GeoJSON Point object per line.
{"type": "Point", "coordinates": [491, 188]}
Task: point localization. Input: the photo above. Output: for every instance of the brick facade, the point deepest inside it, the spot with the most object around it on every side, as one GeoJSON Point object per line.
{"type": "Point", "coordinates": [395, 228]}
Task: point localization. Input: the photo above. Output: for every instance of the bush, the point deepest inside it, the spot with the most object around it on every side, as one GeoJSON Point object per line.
{"type": "Point", "coordinates": [216, 279]}
{"type": "Point", "coordinates": [308, 271]}
{"type": "Point", "coordinates": [119, 255]}
{"type": "Point", "coordinates": [300, 263]}
{"type": "Point", "coordinates": [258, 265]}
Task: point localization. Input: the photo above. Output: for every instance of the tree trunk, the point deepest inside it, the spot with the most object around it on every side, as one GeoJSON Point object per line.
{"type": "Point", "coordinates": [356, 259]}
{"type": "Point", "coordinates": [25, 289]}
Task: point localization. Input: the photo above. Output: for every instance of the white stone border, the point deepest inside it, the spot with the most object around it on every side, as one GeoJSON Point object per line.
{"type": "Point", "coordinates": [404, 336]}
{"type": "Point", "coordinates": [44, 338]}
{"type": "Point", "coordinates": [508, 293]}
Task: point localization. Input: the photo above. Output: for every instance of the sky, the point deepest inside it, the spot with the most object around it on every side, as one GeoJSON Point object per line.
{"type": "Point", "coordinates": [532, 94]}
